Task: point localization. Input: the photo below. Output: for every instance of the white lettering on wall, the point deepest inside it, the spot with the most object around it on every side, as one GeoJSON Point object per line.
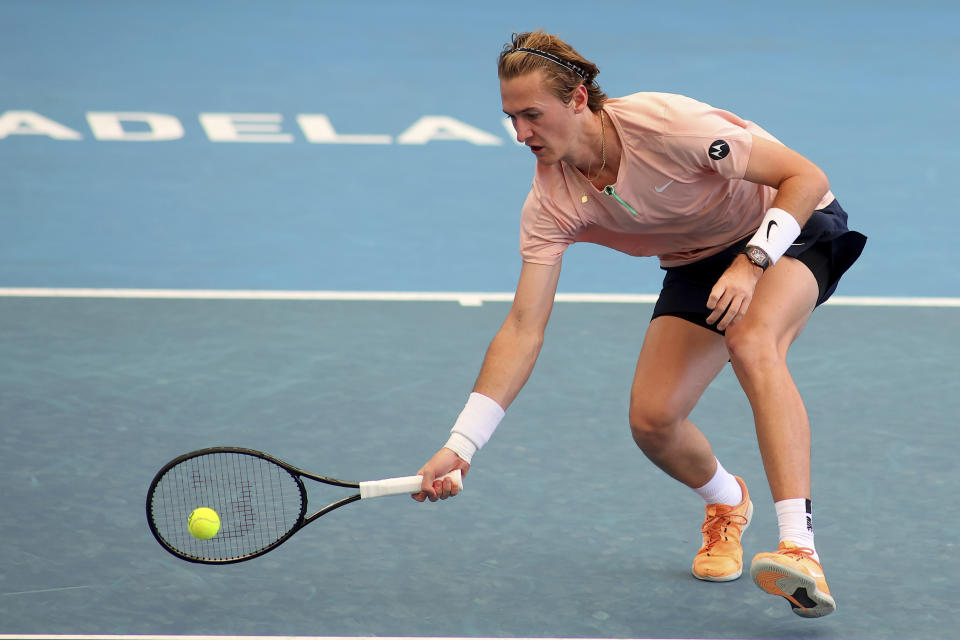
{"type": "Point", "coordinates": [244, 127]}
{"type": "Point", "coordinates": [30, 123]}
{"type": "Point", "coordinates": [108, 125]}
{"type": "Point", "coordinates": [143, 126]}
{"type": "Point", "coordinates": [318, 129]}
{"type": "Point", "coordinates": [430, 128]}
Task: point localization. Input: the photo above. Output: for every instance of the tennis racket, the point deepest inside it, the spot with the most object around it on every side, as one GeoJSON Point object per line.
{"type": "Point", "coordinates": [261, 502]}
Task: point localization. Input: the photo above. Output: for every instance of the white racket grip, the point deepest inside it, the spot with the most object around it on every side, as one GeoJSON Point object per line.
{"type": "Point", "coordinates": [399, 486]}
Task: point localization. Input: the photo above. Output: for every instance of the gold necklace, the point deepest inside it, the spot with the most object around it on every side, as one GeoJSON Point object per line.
{"type": "Point", "coordinates": [603, 148]}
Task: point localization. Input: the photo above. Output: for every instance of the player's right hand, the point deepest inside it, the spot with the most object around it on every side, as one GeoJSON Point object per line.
{"type": "Point", "coordinates": [442, 463]}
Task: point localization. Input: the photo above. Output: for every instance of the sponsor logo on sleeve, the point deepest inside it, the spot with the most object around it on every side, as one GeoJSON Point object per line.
{"type": "Point", "coordinates": [719, 149]}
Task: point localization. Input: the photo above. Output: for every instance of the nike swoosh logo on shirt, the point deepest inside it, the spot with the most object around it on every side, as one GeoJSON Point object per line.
{"type": "Point", "coordinates": [663, 188]}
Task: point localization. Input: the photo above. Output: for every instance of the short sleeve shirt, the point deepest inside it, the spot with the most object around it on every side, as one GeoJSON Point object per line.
{"type": "Point", "coordinates": [679, 193]}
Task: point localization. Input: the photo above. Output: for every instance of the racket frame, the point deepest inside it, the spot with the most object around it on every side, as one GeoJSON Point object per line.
{"type": "Point", "coordinates": [295, 472]}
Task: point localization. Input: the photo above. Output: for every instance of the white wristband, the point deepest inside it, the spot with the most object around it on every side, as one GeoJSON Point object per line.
{"type": "Point", "coordinates": [776, 233]}
{"type": "Point", "coordinates": [462, 446]}
{"type": "Point", "coordinates": [474, 426]}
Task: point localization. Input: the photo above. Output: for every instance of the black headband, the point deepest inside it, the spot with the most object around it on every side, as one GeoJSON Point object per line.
{"type": "Point", "coordinates": [560, 61]}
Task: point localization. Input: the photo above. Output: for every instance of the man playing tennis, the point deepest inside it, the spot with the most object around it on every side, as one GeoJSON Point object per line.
{"type": "Point", "coordinates": [752, 240]}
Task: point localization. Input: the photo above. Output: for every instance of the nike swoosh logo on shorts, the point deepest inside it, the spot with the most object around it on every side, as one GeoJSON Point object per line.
{"type": "Point", "coordinates": [663, 188]}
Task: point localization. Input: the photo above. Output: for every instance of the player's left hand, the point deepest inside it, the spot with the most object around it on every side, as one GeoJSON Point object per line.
{"type": "Point", "coordinates": [731, 295]}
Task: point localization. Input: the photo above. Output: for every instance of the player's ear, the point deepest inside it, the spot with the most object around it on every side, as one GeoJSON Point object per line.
{"type": "Point", "coordinates": [580, 99]}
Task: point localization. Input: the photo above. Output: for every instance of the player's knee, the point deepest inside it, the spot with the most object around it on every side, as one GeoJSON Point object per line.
{"type": "Point", "coordinates": [652, 424]}
{"type": "Point", "coordinates": [753, 348]}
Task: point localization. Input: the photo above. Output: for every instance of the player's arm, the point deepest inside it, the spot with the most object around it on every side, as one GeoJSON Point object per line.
{"type": "Point", "coordinates": [512, 354]}
{"type": "Point", "coordinates": [799, 182]}
{"type": "Point", "coordinates": [508, 363]}
{"type": "Point", "coordinates": [800, 186]}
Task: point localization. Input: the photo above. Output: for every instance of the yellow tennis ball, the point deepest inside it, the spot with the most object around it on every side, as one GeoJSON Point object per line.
{"type": "Point", "coordinates": [203, 523]}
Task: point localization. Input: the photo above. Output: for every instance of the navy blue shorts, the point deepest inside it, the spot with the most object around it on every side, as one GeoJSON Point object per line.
{"type": "Point", "coordinates": [825, 245]}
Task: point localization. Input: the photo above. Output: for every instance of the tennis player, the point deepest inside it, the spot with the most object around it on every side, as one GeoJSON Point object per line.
{"type": "Point", "coordinates": [751, 239]}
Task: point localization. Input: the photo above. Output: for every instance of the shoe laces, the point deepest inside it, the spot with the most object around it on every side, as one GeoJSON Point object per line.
{"type": "Point", "coordinates": [800, 553]}
{"type": "Point", "coordinates": [715, 526]}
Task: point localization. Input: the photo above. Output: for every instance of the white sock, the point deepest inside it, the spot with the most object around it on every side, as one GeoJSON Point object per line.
{"type": "Point", "coordinates": [723, 488]}
{"type": "Point", "coordinates": [795, 520]}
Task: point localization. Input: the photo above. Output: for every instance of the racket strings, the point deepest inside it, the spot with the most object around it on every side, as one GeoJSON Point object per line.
{"type": "Point", "coordinates": [258, 503]}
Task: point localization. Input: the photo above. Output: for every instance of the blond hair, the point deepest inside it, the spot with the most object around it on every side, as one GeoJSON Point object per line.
{"type": "Point", "coordinates": [564, 68]}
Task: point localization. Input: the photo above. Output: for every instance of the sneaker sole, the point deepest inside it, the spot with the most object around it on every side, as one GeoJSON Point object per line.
{"type": "Point", "coordinates": [732, 576]}
{"type": "Point", "coordinates": [796, 587]}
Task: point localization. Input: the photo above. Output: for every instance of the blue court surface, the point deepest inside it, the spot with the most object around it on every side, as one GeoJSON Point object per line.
{"type": "Point", "coordinates": [293, 227]}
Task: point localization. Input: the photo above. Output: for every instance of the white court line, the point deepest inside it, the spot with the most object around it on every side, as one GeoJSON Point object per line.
{"type": "Point", "coordinates": [464, 298]}
{"type": "Point", "coordinates": [171, 637]}
{"type": "Point", "coordinates": [51, 590]}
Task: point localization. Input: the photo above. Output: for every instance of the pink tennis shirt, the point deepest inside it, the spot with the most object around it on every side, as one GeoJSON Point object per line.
{"type": "Point", "coordinates": [679, 195]}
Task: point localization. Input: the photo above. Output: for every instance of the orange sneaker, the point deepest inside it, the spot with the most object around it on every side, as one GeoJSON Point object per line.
{"type": "Point", "coordinates": [720, 559]}
{"type": "Point", "coordinates": [790, 572]}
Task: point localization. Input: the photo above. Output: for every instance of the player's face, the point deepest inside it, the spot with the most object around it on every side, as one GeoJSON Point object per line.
{"type": "Point", "coordinates": [542, 121]}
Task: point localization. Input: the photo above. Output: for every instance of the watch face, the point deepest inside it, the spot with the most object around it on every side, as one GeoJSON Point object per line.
{"type": "Point", "coordinates": [758, 257]}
